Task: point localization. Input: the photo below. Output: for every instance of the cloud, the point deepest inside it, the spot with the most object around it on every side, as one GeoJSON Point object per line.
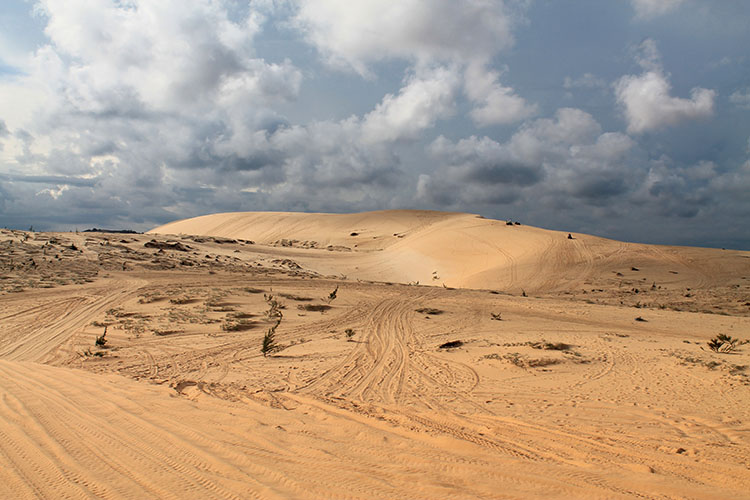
{"type": "Point", "coordinates": [497, 104]}
{"type": "Point", "coordinates": [645, 98]}
{"type": "Point", "coordinates": [133, 102]}
{"type": "Point", "coordinates": [586, 81]}
{"type": "Point", "coordinates": [649, 9]}
{"type": "Point", "coordinates": [426, 97]}
{"type": "Point", "coordinates": [553, 158]}
{"type": "Point", "coordinates": [109, 56]}
{"type": "Point", "coordinates": [741, 98]}
{"type": "Point", "coordinates": [356, 34]}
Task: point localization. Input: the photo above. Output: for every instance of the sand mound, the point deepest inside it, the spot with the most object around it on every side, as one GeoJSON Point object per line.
{"type": "Point", "coordinates": [131, 365]}
{"type": "Point", "coordinates": [463, 250]}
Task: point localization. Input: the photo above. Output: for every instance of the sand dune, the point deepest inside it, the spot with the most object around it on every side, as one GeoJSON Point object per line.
{"type": "Point", "coordinates": [464, 250]}
{"type": "Point", "coordinates": [595, 383]}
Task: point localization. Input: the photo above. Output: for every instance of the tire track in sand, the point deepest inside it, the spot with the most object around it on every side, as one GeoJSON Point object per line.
{"type": "Point", "coordinates": [41, 340]}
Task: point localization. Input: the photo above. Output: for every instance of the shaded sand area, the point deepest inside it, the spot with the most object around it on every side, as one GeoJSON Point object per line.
{"type": "Point", "coordinates": [569, 368]}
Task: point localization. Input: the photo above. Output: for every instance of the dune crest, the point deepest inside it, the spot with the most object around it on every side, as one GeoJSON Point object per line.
{"type": "Point", "coordinates": [460, 250]}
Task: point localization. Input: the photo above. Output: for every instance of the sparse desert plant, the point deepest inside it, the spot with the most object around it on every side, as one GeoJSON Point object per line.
{"type": "Point", "coordinates": [240, 325]}
{"type": "Point", "coordinates": [296, 297]}
{"type": "Point", "coordinates": [496, 316]}
{"type": "Point", "coordinates": [724, 343]}
{"type": "Point", "coordinates": [274, 306]}
{"type": "Point", "coordinates": [451, 345]}
{"type": "Point", "coordinates": [349, 334]}
{"type": "Point", "coordinates": [101, 340]}
{"type": "Point", "coordinates": [550, 346]}
{"type": "Point", "coordinates": [269, 340]}
{"type": "Point", "coordinates": [332, 295]}
{"type": "Point", "coordinates": [314, 307]}
{"type": "Point", "coordinates": [429, 310]}
{"type": "Point", "coordinates": [269, 344]}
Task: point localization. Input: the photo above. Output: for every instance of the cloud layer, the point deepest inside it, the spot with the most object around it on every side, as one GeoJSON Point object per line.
{"type": "Point", "coordinates": [134, 113]}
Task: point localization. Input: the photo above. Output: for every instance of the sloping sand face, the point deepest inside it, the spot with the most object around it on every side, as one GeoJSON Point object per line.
{"type": "Point", "coordinates": [597, 382]}
{"type": "Point", "coordinates": [465, 250]}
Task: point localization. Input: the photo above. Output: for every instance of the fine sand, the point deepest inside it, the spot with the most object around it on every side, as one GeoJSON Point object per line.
{"type": "Point", "coordinates": [574, 368]}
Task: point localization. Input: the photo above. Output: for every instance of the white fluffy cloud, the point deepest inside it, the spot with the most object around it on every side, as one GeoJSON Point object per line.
{"type": "Point", "coordinates": [496, 104]}
{"type": "Point", "coordinates": [646, 100]}
{"type": "Point", "coordinates": [163, 55]}
{"type": "Point", "coordinates": [648, 9]}
{"type": "Point", "coordinates": [354, 35]}
{"type": "Point", "coordinates": [426, 97]}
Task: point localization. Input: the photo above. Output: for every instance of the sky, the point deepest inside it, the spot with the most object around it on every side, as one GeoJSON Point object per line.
{"type": "Point", "coordinates": [628, 119]}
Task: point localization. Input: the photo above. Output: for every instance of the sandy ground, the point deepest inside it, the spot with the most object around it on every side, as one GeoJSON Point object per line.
{"type": "Point", "coordinates": [580, 367]}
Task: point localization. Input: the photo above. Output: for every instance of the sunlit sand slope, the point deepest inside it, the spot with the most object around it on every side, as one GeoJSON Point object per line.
{"type": "Point", "coordinates": [463, 250]}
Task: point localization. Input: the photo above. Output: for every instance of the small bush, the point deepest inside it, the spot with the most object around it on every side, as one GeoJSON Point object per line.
{"type": "Point", "coordinates": [548, 346]}
{"type": "Point", "coordinates": [451, 345]}
{"type": "Point", "coordinates": [314, 307]}
{"type": "Point", "coordinates": [349, 334]}
{"type": "Point", "coordinates": [238, 326]}
{"type": "Point", "coordinates": [332, 295]}
{"type": "Point", "coordinates": [724, 343]}
{"type": "Point", "coordinates": [274, 306]}
{"type": "Point", "coordinates": [101, 340]}
{"type": "Point", "coordinates": [269, 342]}
{"type": "Point", "coordinates": [296, 297]}
{"type": "Point", "coordinates": [496, 316]}
{"type": "Point", "coordinates": [429, 310]}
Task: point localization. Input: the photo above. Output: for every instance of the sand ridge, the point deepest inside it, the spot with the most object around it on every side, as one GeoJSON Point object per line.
{"type": "Point", "coordinates": [579, 387]}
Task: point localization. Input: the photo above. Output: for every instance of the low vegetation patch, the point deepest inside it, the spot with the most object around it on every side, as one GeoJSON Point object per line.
{"type": "Point", "coordinates": [429, 310]}
{"type": "Point", "coordinates": [295, 297]}
{"type": "Point", "coordinates": [724, 343]}
{"type": "Point", "coordinates": [451, 345]}
{"type": "Point", "coordinates": [550, 346]}
{"type": "Point", "coordinates": [101, 340]}
{"type": "Point", "coordinates": [183, 300]}
{"type": "Point", "coordinates": [238, 326]}
{"type": "Point", "coordinates": [314, 307]}
{"type": "Point", "coordinates": [522, 361]}
{"type": "Point", "coordinates": [164, 333]}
